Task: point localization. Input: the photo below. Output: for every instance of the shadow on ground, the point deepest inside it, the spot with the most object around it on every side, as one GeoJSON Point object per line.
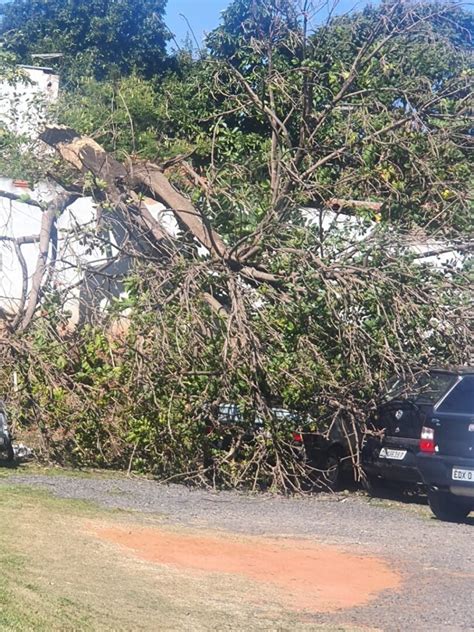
{"type": "Point", "coordinates": [408, 494]}
{"type": "Point", "coordinates": [9, 465]}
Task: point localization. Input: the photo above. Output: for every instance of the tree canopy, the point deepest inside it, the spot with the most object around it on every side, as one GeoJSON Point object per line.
{"type": "Point", "coordinates": [361, 108]}
{"type": "Point", "coordinates": [103, 38]}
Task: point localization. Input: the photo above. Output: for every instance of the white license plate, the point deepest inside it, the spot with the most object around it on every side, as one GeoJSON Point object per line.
{"type": "Point", "coordinates": [396, 455]}
{"type": "Point", "coordinates": [463, 475]}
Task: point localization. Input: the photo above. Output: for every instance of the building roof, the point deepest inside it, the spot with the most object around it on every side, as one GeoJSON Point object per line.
{"type": "Point", "coordinates": [45, 69]}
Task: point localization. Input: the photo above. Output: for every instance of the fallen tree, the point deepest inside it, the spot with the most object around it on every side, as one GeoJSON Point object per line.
{"type": "Point", "coordinates": [313, 334]}
{"type": "Point", "coordinates": [309, 315]}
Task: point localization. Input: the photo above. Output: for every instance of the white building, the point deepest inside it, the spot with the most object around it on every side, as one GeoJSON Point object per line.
{"type": "Point", "coordinates": [24, 103]}
{"type": "Point", "coordinates": [90, 275]}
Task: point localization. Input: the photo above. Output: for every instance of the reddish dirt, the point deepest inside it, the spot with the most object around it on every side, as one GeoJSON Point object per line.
{"type": "Point", "coordinates": [317, 578]}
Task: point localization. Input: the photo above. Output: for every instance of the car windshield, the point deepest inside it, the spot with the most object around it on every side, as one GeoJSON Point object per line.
{"type": "Point", "coordinates": [229, 413]}
{"type": "Point", "coordinates": [428, 388]}
{"type": "Point", "coordinates": [282, 414]}
{"type": "Point", "coordinates": [279, 415]}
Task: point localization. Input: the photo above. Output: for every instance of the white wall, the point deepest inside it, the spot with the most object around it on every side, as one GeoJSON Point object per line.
{"type": "Point", "coordinates": [353, 229]}
{"type": "Point", "coordinates": [76, 260]}
{"type": "Point", "coordinates": [23, 106]}
{"type": "Point", "coordinates": [22, 220]}
{"type": "Point", "coordinates": [16, 220]}
{"type": "Point", "coordinates": [24, 110]}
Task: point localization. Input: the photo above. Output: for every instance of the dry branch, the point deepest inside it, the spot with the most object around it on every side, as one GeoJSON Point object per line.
{"type": "Point", "coordinates": [339, 204]}
{"type": "Point", "coordinates": [24, 199]}
{"type": "Point", "coordinates": [87, 156]}
{"type": "Point", "coordinates": [152, 177]}
{"type": "Point", "coordinates": [50, 214]}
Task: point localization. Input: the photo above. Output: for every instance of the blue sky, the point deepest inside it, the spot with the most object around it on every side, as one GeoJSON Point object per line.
{"type": "Point", "coordinates": [203, 15]}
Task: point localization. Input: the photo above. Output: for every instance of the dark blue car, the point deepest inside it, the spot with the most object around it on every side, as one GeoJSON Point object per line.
{"type": "Point", "coordinates": [390, 450]}
{"type": "Point", "coordinates": [446, 451]}
{"type": "Point", "coordinates": [390, 453]}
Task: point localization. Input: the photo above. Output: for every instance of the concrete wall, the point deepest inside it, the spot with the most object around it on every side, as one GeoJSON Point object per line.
{"type": "Point", "coordinates": [24, 105]}
{"type": "Point", "coordinates": [22, 220]}
{"type": "Point", "coordinates": [89, 275]}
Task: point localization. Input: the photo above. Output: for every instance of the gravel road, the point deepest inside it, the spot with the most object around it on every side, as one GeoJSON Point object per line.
{"type": "Point", "coordinates": [436, 559]}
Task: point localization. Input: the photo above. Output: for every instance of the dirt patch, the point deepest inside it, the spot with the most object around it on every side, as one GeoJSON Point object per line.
{"type": "Point", "coordinates": [316, 578]}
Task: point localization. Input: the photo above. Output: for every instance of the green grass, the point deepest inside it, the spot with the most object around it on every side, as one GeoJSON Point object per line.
{"type": "Point", "coordinates": [57, 574]}
{"type": "Point", "coordinates": [49, 470]}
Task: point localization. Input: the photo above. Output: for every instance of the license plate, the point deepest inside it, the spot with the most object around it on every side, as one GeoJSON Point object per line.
{"type": "Point", "coordinates": [463, 475]}
{"type": "Point", "coordinates": [396, 455]}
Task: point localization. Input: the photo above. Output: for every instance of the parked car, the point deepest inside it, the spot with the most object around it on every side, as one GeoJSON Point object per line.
{"type": "Point", "coordinates": [329, 454]}
{"type": "Point", "coordinates": [446, 451]}
{"type": "Point", "coordinates": [6, 447]}
{"type": "Point", "coordinates": [228, 420]}
{"type": "Point", "coordinates": [390, 453]}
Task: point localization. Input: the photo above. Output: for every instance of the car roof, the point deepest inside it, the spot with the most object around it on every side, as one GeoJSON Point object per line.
{"type": "Point", "coordinates": [460, 370]}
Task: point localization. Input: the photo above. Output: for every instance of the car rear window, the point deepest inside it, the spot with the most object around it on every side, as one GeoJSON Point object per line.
{"type": "Point", "coordinates": [460, 399]}
{"type": "Point", "coordinates": [429, 388]}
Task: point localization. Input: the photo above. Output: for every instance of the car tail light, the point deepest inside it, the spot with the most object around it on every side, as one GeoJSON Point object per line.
{"type": "Point", "coordinates": [297, 437]}
{"type": "Point", "coordinates": [427, 443]}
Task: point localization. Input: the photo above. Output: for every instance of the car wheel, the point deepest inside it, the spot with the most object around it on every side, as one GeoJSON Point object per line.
{"type": "Point", "coordinates": [446, 507]}
{"type": "Point", "coordinates": [10, 453]}
{"type": "Point", "coordinates": [330, 477]}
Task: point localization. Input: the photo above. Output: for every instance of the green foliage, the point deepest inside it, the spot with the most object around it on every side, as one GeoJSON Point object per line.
{"type": "Point", "coordinates": [18, 158]}
{"type": "Point", "coordinates": [247, 20]}
{"type": "Point", "coordinates": [401, 130]}
{"type": "Point", "coordinates": [392, 90]}
{"type": "Point", "coordinates": [96, 37]}
{"type": "Point", "coordinates": [141, 395]}
{"type": "Point", "coordinates": [394, 125]}
{"type": "Point", "coordinates": [122, 115]}
{"type": "Point", "coordinates": [271, 120]}
{"type": "Point", "coordinates": [8, 70]}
